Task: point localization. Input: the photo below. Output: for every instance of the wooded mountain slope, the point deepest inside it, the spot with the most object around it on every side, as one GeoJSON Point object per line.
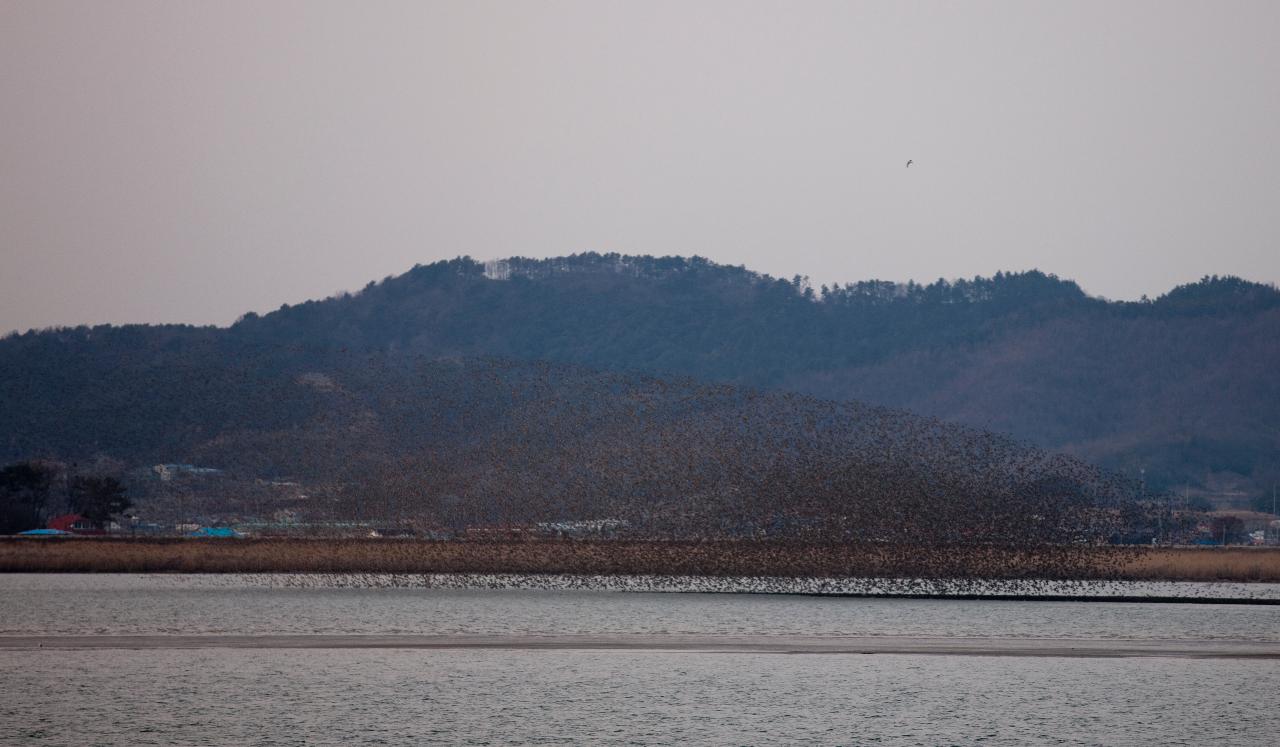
{"type": "Point", "coordinates": [490, 442]}
{"type": "Point", "coordinates": [1184, 387]}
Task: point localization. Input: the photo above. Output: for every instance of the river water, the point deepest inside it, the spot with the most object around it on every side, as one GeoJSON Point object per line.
{"type": "Point", "coordinates": [122, 659]}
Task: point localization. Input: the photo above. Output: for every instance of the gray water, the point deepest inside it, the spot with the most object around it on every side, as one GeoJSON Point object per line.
{"type": "Point", "coordinates": [138, 604]}
{"type": "Point", "coordinates": [575, 697]}
{"type": "Point", "coordinates": [157, 694]}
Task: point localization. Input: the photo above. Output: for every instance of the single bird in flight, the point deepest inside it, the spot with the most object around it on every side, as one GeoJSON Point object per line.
{"type": "Point", "coordinates": [909, 162]}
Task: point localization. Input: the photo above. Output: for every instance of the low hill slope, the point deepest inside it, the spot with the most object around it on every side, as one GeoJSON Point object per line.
{"type": "Point", "coordinates": [1183, 388]}
{"type": "Point", "coordinates": [491, 442]}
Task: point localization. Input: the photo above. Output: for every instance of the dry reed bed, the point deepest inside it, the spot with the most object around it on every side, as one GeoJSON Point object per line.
{"type": "Point", "coordinates": [1205, 564]}
{"type": "Point", "coordinates": [722, 558]}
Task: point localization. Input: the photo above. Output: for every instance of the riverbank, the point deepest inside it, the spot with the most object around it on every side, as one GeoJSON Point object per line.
{"type": "Point", "coordinates": [711, 559]}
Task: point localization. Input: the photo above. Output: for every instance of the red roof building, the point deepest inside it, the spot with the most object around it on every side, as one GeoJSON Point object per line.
{"type": "Point", "coordinates": [74, 523]}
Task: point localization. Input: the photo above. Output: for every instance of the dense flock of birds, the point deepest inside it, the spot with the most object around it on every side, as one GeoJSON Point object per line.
{"type": "Point", "coordinates": [986, 588]}
{"type": "Point", "coordinates": [512, 443]}
{"type": "Point", "coordinates": [493, 449]}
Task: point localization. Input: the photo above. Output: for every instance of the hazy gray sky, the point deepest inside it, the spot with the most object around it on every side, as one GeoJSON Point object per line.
{"type": "Point", "coordinates": [175, 161]}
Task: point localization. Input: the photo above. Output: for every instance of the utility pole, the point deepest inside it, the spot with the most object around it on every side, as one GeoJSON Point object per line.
{"type": "Point", "coordinates": [1142, 477]}
{"type": "Point", "coordinates": [1273, 513]}
{"type": "Point", "coordinates": [1273, 525]}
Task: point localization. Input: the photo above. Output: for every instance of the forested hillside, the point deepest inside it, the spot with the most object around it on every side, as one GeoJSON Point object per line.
{"type": "Point", "coordinates": [485, 442]}
{"type": "Point", "coordinates": [1184, 387]}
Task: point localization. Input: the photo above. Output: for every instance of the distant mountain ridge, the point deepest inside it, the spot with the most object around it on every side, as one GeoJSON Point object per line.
{"type": "Point", "coordinates": [1183, 387]}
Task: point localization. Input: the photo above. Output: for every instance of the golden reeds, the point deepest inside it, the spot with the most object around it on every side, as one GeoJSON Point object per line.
{"type": "Point", "coordinates": [721, 558]}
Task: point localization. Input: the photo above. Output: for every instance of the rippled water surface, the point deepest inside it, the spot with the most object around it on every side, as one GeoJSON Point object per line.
{"type": "Point", "coordinates": [574, 697]}
{"type": "Point", "coordinates": [157, 604]}
{"type": "Point", "coordinates": [159, 695]}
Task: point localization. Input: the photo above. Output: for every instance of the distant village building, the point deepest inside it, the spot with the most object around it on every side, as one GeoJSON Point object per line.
{"type": "Point", "coordinates": [285, 516]}
{"type": "Point", "coordinates": [75, 524]}
{"type": "Point", "coordinates": [497, 269]}
{"type": "Point", "coordinates": [585, 528]}
{"type": "Point", "coordinates": [497, 533]}
{"type": "Point", "coordinates": [216, 532]}
{"type": "Point", "coordinates": [167, 472]}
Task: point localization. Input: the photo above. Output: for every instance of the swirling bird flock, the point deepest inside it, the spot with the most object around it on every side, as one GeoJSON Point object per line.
{"type": "Point", "coordinates": [499, 449]}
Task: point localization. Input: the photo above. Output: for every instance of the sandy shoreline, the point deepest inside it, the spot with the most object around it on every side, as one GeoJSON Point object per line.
{"type": "Point", "coordinates": [757, 644]}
